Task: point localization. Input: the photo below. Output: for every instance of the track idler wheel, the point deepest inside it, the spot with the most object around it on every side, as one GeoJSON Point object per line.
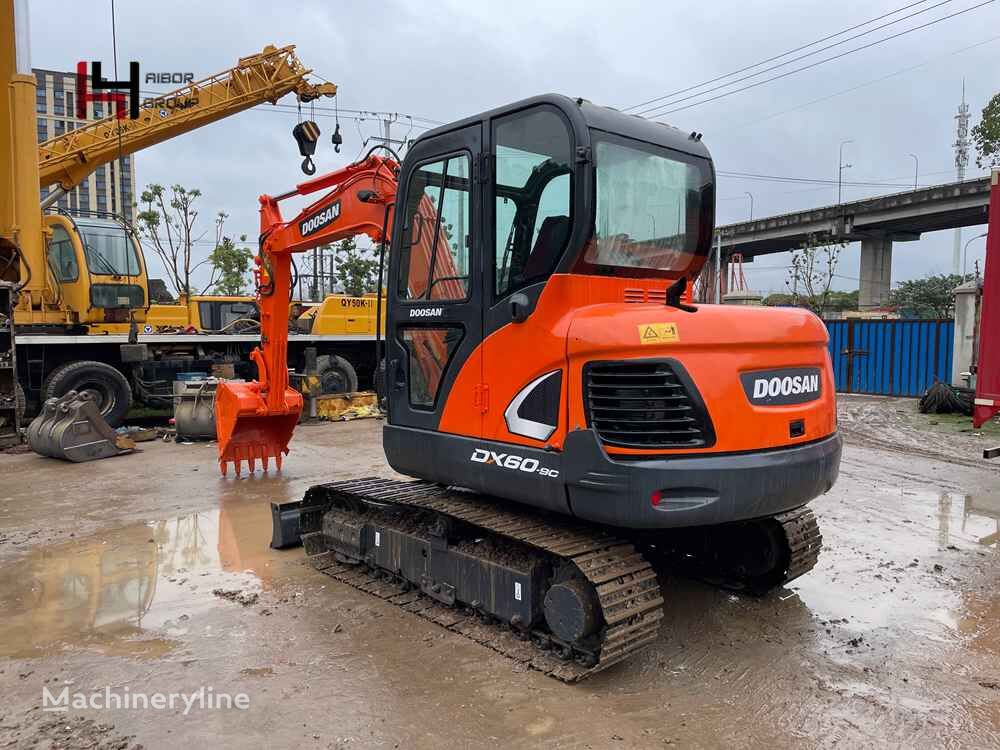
{"type": "Point", "coordinates": [572, 610]}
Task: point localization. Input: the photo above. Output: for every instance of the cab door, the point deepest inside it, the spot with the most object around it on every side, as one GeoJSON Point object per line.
{"type": "Point", "coordinates": [434, 327]}
{"type": "Point", "coordinates": [532, 210]}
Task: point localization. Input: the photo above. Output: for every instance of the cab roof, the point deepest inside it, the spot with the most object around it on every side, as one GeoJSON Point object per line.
{"type": "Point", "coordinates": [583, 115]}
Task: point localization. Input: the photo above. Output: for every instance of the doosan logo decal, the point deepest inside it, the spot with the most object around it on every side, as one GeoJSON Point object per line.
{"type": "Point", "coordinates": [426, 312]}
{"type": "Point", "coordinates": [317, 221]}
{"type": "Point", "coordinates": [785, 386]}
{"type": "Point", "coordinates": [793, 385]}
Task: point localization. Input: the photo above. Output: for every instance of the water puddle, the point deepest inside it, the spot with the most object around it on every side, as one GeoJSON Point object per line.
{"type": "Point", "coordinates": [133, 590]}
{"type": "Point", "coordinates": [914, 567]}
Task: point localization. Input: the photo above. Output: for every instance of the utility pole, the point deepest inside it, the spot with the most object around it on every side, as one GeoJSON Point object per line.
{"type": "Point", "coordinates": [840, 170]}
{"type": "Point", "coordinates": [965, 252]}
{"type": "Point", "coordinates": [961, 162]}
{"type": "Point", "coordinates": [718, 267]}
{"type": "Point", "coordinates": [750, 196]}
{"type": "Point", "coordinates": [314, 292]}
{"type": "Point", "coordinates": [916, 169]}
{"type": "Point", "coordinates": [385, 126]}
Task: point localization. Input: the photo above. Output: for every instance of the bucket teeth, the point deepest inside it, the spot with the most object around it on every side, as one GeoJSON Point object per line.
{"type": "Point", "coordinates": [256, 456]}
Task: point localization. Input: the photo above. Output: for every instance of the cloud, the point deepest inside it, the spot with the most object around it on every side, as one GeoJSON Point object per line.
{"type": "Point", "coordinates": [450, 59]}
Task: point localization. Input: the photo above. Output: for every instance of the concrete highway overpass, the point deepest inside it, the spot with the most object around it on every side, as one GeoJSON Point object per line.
{"type": "Point", "coordinates": [874, 222]}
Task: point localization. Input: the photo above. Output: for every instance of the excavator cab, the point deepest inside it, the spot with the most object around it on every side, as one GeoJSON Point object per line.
{"type": "Point", "coordinates": [540, 344]}
{"type": "Point", "coordinates": [539, 349]}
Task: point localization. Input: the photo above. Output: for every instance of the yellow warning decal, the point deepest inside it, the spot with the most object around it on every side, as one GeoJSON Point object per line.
{"type": "Point", "coordinates": [658, 333]}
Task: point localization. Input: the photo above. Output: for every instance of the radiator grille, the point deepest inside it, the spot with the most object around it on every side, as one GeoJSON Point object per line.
{"type": "Point", "coordinates": [644, 405]}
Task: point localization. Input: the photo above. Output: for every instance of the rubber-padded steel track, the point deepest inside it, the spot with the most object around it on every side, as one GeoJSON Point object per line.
{"type": "Point", "coordinates": [626, 585]}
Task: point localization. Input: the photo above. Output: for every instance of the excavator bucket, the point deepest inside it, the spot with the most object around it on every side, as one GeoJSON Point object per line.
{"type": "Point", "coordinates": [249, 429]}
{"type": "Point", "coordinates": [71, 428]}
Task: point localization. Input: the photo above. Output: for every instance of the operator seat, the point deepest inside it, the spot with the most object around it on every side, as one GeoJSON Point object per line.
{"type": "Point", "coordinates": [548, 245]}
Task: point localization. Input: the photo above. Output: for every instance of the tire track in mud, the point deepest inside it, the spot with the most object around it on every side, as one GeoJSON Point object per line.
{"type": "Point", "coordinates": [877, 424]}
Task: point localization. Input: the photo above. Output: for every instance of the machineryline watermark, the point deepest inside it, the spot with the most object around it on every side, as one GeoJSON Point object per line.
{"type": "Point", "coordinates": [124, 699]}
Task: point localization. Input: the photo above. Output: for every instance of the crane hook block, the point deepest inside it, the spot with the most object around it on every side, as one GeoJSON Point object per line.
{"type": "Point", "coordinates": [337, 138]}
{"type": "Point", "coordinates": [306, 134]}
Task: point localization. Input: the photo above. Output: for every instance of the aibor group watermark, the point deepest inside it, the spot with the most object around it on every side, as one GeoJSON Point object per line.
{"type": "Point", "coordinates": [124, 699]}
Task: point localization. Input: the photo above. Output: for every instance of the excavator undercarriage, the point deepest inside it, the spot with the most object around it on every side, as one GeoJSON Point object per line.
{"type": "Point", "coordinates": [564, 597]}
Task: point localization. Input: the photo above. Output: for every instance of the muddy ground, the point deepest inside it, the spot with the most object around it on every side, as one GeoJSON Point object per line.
{"type": "Point", "coordinates": [151, 573]}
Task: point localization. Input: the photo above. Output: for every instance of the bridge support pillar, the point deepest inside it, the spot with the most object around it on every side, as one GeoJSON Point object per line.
{"type": "Point", "coordinates": [876, 273]}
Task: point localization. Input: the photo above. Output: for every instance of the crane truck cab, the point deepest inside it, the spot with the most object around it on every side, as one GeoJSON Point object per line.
{"type": "Point", "coordinates": [98, 276]}
{"type": "Point", "coordinates": [565, 371]}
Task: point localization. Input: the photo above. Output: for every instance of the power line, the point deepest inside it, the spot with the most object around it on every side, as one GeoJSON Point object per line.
{"type": "Point", "coordinates": [808, 180]}
{"type": "Point", "coordinates": [359, 114]}
{"type": "Point", "coordinates": [819, 62]}
{"type": "Point", "coordinates": [791, 52]}
{"type": "Point", "coordinates": [833, 182]}
{"type": "Point", "coordinates": [871, 82]}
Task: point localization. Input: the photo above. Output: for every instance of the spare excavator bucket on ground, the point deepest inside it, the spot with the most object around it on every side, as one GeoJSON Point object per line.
{"type": "Point", "coordinates": [71, 428]}
{"type": "Point", "coordinates": [251, 430]}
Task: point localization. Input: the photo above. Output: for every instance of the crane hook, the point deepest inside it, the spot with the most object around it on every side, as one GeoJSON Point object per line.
{"type": "Point", "coordinates": [337, 139]}
{"type": "Point", "coordinates": [306, 134]}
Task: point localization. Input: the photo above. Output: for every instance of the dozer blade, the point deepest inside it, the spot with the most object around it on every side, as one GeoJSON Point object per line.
{"type": "Point", "coordinates": [71, 428]}
{"type": "Point", "coordinates": [249, 429]}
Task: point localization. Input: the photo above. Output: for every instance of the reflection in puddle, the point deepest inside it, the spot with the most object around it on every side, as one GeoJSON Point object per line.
{"type": "Point", "coordinates": [106, 591]}
{"type": "Point", "coordinates": [908, 568]}
{"type": "Point", "coordinates": [977, 513]}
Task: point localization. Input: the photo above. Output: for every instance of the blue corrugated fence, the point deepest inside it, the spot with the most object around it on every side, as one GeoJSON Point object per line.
{"type": "Point", "coordinates": [890, 357]}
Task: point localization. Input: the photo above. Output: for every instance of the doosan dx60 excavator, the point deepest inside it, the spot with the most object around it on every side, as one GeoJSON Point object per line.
{"type": "Point", "coordinates": [570, 414]}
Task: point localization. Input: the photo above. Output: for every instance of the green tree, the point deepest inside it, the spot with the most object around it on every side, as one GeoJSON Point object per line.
{"type": "Point", "coordinates": [986, 135]}
{"type": "Point", "coordinates": [811, 274]}
{"type": "Point", "coordinates": [230, 265]}
{"type": "Point", "coordinates": [167, 222]}
{"type": "Point", "coordinates": [930, 297]}
{"type": "Point", "coordinates": [357, 267]}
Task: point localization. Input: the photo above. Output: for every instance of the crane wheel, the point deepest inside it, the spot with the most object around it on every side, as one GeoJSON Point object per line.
{"type": "Point", "coordinates": [336, 374]}
{"type": "Point", "coordinates": [108, 387]}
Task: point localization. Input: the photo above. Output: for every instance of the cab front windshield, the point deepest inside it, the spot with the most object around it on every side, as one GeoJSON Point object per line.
{"type": "Point", "coordinates": [110, 250]}
{"type": "Point", "coordinates": [653, 212]}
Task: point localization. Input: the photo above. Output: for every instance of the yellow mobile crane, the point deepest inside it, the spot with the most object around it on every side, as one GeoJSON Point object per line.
{"type": "Point", "coordinates": [61, 294]}
{"type": "Point", "coordinates": [82, 282]}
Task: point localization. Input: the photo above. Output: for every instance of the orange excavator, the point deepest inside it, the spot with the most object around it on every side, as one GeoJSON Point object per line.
{"type": "Point", "coordinates": [571, 418]}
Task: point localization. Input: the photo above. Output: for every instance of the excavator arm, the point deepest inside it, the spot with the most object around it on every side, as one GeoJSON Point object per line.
{"type": "Point", "coordinates": [264, 77]}
{"type": "Point", "coordinates": [255, 420]}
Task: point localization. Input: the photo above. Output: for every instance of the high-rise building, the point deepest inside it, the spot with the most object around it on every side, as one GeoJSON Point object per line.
{"type": "Point", "coordinates": [109, 190]}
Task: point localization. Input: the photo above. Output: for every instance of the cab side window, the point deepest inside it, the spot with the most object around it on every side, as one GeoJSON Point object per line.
{"type": "Point", "coordinates": [533, 188]}
{"type": "Point", "coordinates": [437, 241]}
{"type": "Point", "coordinates": [62, 257]}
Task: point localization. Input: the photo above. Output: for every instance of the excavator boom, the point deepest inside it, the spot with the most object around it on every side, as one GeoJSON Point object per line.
{"type": "Point", "coordinates": [255, 420]}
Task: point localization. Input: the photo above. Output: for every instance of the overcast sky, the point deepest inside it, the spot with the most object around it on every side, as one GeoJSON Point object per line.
{"type": "Point", "coordinates": [441, 61]}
